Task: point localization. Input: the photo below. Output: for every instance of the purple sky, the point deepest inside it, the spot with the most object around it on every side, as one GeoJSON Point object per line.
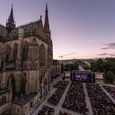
{"type": "Point", "coordinates": [83, 27]}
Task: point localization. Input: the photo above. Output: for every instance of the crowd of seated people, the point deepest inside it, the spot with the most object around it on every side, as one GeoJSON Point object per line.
{"type": "Point", "coordinates": [46, 111]}
{"type": "Point", "coordinates": [60, 83]}
{"type": "Point", "coordinates": [56, 96]}
{"type": "Point", "coordinates": [100, 102]}
{"type": "Point", "coordinates": [111, 90]}
{"type": "Point", "coordinates": [64, 113]}
{"type": "Point", "coordinates": [75, 98]}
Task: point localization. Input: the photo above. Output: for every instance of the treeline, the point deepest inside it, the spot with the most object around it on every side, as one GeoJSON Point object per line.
{"type": "Point", "coordinates": [107, 66]}
{"type": "Point", "coordinates": [70, 67]}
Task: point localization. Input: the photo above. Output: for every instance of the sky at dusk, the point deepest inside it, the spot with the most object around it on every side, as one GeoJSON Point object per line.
{"type": "Point", "coordinates": [85, 28]}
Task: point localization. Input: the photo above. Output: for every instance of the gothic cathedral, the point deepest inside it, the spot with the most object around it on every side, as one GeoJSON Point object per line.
{"type": "Point", "coordinates": [26, 54]}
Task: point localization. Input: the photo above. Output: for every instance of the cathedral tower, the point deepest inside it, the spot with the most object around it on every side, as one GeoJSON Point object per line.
{"type": "Point", "coordinates": [46, 24]}
{"type": "Point", "coordinates": [10, 24]}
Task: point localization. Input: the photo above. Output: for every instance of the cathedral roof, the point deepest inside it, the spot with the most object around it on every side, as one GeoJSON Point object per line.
{"type": "Point", "coordinates": [22, 99]}
{"type": "Point", "coordinates": [28, 29]}
{"type": "Point", "coordinates": [2, 31]}
{"type": "Point", "coordinates": [1, 26]}
{"type": "Point", "coordinates": [2, 91]}
{"type": "Point", "coordinates": [28, 24]}
{"type": "Point", "coordinates": [35, 28]}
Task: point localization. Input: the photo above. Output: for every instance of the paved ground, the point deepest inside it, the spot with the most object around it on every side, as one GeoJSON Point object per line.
{"type": "Point", "coordinates": [111, 85]}
{"type": "Point", "coordinates": [113, 100]}
{"type": "Point", "coordinates": [45, 103]}
{"type": "Point", "coordinates": [59, 106]}
{"type": "Point", "coordinates": [56, 80]}
{"type": "Point", "coordinates": [87, 100]}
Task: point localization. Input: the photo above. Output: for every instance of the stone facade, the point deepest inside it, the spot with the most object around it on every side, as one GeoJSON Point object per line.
{"type": "Point", "coordinates": [26, 55]}
{"type": "Point", "coordinates": [56, 69]}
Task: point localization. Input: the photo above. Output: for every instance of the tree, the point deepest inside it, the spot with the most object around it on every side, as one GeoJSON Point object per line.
{"type": "Point", "coordinates": [76, 65]}
{"type": "Point", "coordinates": [98, 65]}
{"type": "Point", "coordinates": [93, 67]}
{"type": "Point", "coordinates": [104, 65]}
{"type": "Point", "coordinates": [62, 68]}
{"type": "Point", "coordinates": [86, 67]}
{"type": "Point", "coordinates": [70, 67]}
{"type": "Point", "coordinates": [110, 77]}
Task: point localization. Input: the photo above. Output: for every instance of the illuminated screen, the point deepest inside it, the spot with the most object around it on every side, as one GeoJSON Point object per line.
{"type": "Point", "coordinates": [82, 76]}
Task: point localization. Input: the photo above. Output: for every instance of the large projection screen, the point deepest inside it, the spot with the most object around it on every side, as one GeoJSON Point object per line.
{"type": "Point", "coordinates": [82, 76]}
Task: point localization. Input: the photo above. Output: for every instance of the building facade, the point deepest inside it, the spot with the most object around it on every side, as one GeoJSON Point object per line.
{"type": "Point", "coordinates": [56, 69]}
{"type": "Point", "coordinates": [26, 54]}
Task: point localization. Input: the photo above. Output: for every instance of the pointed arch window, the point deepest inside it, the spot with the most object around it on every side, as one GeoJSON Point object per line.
{"type": "Point", "coordinates": [23, 83]}
{"type": "Point", "coordinates": [25, 51]}
{"type": "Point", "coordinates": [42, 55]}
{"type": "Point", "coordinates": [3, 99]}
{"type": "Point", "coordinates": [15, 51]}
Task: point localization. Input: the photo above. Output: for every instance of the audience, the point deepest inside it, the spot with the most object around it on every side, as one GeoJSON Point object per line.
{"type": "Point", "coordinates": [46, 111]}
{"type": "Point", "coordinates": [101, 104]}
{"type": "Point", "coordinates": [60, 83]}
{"type": "Point", "coordinates": [64, 113]}
{"type": "Point", "coordinates": [55, 98]}
{"type": "Point", "coordinates": [111, 90]}
{"type": "Point", "coordinates": [75, 98]}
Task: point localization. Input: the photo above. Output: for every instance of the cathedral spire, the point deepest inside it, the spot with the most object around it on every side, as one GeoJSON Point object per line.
{"type": "Point", "coordinates": [11, 13]}
{"type": "Point", "coordinates": [10, 25]}
{"type": "Point", "coordinates": [46, 24]}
